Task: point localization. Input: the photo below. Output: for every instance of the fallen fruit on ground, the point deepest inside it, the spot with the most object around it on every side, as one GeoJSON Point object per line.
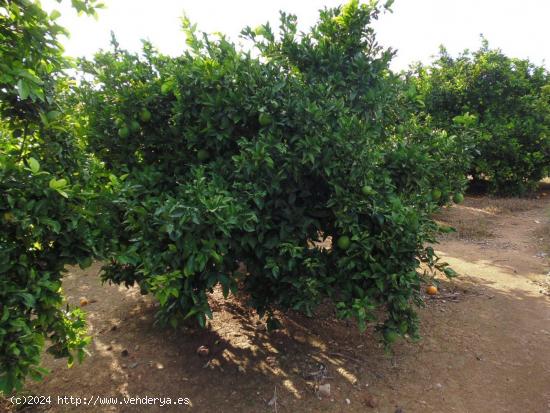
{"type": "Point", "coordinates": [458, 198]}
{"type": "Point", "coordinates": [431, 290]}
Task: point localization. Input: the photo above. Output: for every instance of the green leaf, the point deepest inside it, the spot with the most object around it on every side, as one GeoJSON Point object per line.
{"type": "Point", "coordinates": [58, 184]}
{"type": "Point", "coordinates": [5, 314]}
{"type": "Point", "coordinates": [44, 118]}
{"type": "Point", "coordinates": [28, 299]}
{"type": "Point", "coordinates": [54, 225]}
{"type": "Point", "coordinates": [189, 268]}
{"type": "Point", "coordinates": [55, 14]}
{"type": "Point", "coordinates": [53, 115]}
{"type": "Point", "coordinates": [201, 318]}
{"type": "Point", "coordinates": [23, 89]}
{"type": "Point", "coordinates": [34, 165]}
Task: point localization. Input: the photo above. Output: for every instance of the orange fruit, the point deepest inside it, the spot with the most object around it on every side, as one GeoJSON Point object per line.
{"type": "Point", "coordinates": [431, 290]}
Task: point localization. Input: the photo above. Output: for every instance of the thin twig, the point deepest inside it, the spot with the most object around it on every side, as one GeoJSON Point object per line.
{"type": "Point", "coordinates": [273, 401]}
{"type": "Point", "coordinates": [332, 353]}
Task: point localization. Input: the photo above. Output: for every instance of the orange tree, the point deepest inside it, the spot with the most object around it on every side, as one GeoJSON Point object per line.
{"type": "Point", "coordinates": [44, 220]}
{"type": "Point", "coordinates": [509, 101]}
{"type": "Point", "coordinates": [231, 158]}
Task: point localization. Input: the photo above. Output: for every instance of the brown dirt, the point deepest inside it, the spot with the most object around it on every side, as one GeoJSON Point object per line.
{"type": "Point", "coordinates": [484, 346]}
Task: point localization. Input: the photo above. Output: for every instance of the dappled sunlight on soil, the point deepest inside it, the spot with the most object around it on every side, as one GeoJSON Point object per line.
{"type": "Point", "coordinates": [496, 274]}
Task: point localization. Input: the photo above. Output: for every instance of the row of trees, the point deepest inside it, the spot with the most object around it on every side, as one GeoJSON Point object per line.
{"type": "Point", "coordinates": [175, 170]}
{"type": "Point", "coordinates": [508, 100]}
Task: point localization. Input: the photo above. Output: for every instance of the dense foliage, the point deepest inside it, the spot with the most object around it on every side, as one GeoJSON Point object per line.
{"type": "Point", "coordinates": [308, 161]}
{"type": "Point", "coordinates": [510, 100]}
{"type": "Point", "coordinates": [230, 158]}
{"type": "Point", "coordinates": [44, 223]}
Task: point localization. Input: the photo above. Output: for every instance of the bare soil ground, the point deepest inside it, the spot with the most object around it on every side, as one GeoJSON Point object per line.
{"type": "Point", "coordinates": [484, 348]}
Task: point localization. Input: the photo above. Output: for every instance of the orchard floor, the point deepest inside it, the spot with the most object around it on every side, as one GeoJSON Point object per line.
{"type": "Point", "coordinates": [485, 339]}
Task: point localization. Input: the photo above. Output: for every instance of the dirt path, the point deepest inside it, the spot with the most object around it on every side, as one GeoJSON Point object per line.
{"type": "Point", "coordinates": [485, 345]}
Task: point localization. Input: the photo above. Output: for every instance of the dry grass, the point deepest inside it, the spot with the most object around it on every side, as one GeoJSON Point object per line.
{"type": "Point", "coordinates": [467, 229]}
{"type": "Point", "coordinates": [497, 206]}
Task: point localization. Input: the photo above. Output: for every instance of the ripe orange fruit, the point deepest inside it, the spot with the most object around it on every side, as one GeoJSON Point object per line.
{"type": "Point", "coordinates": [431, 290]}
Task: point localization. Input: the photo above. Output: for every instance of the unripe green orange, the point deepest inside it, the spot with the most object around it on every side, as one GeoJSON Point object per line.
{"type": "Point", "coordinates": [202, 155]}
{"type": "Point", "coordinates": [124, 132]}
{"type": "Point", "coordinates": [264, 119]}
{"type": "Point", "coordinates": [135, 126]}
{"type": "Point", "coordinates": [343, 242]}
{"type": "Point", "coordinates": [145, 115]}
{"type": "Point", "coordinates": [436, 194]}
{"type": "Point", "coordinates": [366, 190]}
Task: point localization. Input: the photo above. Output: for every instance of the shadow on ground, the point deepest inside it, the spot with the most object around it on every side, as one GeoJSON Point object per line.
{"type": "Point", "coordinates": [484, 346]}
{"type": "Point", "coordinates": [483, 349]}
